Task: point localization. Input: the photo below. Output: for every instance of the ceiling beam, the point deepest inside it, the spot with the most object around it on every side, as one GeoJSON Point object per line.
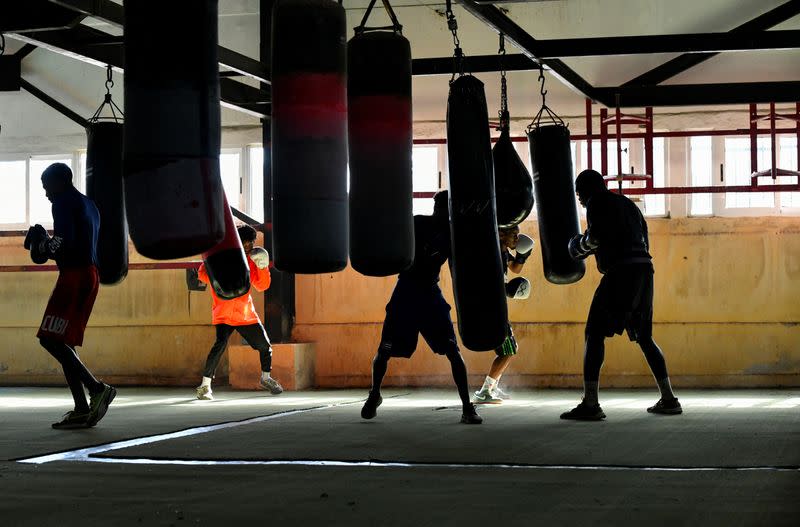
{"type": "Point", "coordinates": [702, 94]}
{"type": "Point", "coordinates": [500, 22]}
{"type": "Point", "coordinates": [36, 15]}
{"type": "Point", "coordinates": [686, 43]}
{"type": "Point", "coordinates": [682, 63]}
{"type": "Point", "coordinates": [81, 43]}
{"type": "Point", "coordinates": [472, 64]}
{"type": "Point", "coordinates": [52, 103]}
{"type": "Point", "coordinates": [114, 14]}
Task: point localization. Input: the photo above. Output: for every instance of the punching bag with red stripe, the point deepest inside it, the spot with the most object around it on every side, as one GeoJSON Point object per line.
{"type": "Point", "coordinates": [104, 187]}
{"type": "Point", "coordinates": [380, 141]}
{"type": "Point", "coordinates": [309, 136]}
{"type": "Point", "coordinates": [226, 263]}
{"type": "Point", "coordinates": [173, 190]}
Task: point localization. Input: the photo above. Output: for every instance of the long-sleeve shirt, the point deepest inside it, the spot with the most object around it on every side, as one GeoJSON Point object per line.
{"type": "Point", "coordinates": [76, 223]}
{"type": "Point", "coordinates": [237, 311]}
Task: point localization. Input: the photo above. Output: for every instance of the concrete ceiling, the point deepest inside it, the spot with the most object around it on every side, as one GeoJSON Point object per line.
{"type": "Point", "coordinates": [80, 85]}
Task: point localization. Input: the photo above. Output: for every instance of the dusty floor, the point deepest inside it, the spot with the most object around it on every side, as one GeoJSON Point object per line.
{"type": "Point", "coordinates": [307, 458]}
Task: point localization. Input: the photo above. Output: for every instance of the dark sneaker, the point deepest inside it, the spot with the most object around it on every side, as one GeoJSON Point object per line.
{"type": "Point", "coordinates": [99, 402]}
{"type": "Point", "coordinates": [272, 385]}
{"type": "Point", "coordinates": [666, 407]}
{"type": "Point", "coordinates": [585, 412]}
{"type": "Point", "coordinates": [370, 408]}
{"type": "Point", "coordinates": [72, 420]}
{"type": "Point", "coordinates": [470, 415]}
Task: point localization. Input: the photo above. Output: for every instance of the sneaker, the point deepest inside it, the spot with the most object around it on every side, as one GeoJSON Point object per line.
{"type": "Point", "coordinates": [204, 393]}
{"type": "Point", "coordinates": [666, 407]}
{"type": "Point", "coordinates": [486, 397]}
{"type": "Point", "coordinates": [99, 403]}
{"type": "Point", "coordinates": [470, 415]}
{"type": "Point", "coordinates": [585, 412]}
{"type": "Point", "coordinates": [72, 420]}
{"type": "Point", "coordinates": [370, 408]}
{"type": "Point", "coordinates": [500, 394]}
{"type": "Point", "coordinates": [271, 384]}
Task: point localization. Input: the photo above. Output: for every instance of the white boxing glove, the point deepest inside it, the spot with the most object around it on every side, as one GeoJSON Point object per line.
{"type": "Point", "coordinates": [524, 248]}
{"type": "Point", "coordinates": [260, 257]}
{"type": "Point", "coordinates": [518, 288]}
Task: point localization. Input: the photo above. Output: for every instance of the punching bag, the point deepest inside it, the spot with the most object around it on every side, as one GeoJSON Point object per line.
{"type": "Point", "coordinates": [380, 144]}
{"type": "Point", "coordinates": [309, 136]}
{"type": "Point", "coordinates": [173, 190]}
{"type": "Point", "coordinates": [104, 187]}
{"type": "Point", "coordinates": [475, 260]}
{"type": "Point", "coordinates": [554, 187]}
{"type": "Point", "coordinates": [512, 183]}
{"type": "Point", "coordinates": [226, 263]}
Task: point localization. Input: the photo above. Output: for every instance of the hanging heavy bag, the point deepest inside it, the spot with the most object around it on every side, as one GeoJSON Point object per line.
{"type": "Point", "coordinates": [173, 190]}
{"type": "Point", "coordinates": [380, 144]}
{"type": "Point", "coordinates": [104, 187]}
{"type": "Point", "coordinates": [475, 262]}
{"type": "Point", "coordinates": [551, 159]}
{"type": "Point", "coordinates": [309, 136]}
{"type": "Point", "coordinates": [226, 263]}
{"type": "Point", "coordinates": [512, 183]}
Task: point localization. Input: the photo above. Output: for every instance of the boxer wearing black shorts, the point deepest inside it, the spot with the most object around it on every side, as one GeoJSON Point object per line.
{"type": "Point", "coordinates": [74, 248]}
{"type": "Point", "coordinates": [617, 236]}
{"type": "Point", "coordinates": [418, 307]}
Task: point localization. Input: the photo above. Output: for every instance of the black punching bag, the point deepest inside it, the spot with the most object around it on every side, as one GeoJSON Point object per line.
{"type": "Point", "coordinates": [512, 183]}
{"type": "Point", "coordinates": [226, 263]}
{"type": "Point", "coordinates": [104, 187]}
{"type": "Point", "coordinates": [554, 186]}
{"type": "Point", "coordinates": [309, 136]}
{"type": "Point", "coordinates": [475, 260]}
{"type": "Point", "coordinates": [173, 190]}
{"type": "Point", "coordinates": [380, 143]}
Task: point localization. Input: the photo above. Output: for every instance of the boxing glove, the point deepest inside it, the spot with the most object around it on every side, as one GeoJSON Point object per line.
{"type": "Point", "coordinates": [36, 242]}
{"type": "Point", "coordinates": [524, 248]}
{"type": "Point", "coordinates": [518, 288]}
{"type": "Point", "coordinates": [260, 257]}
{"type": "Point", "coordinates": [581, 246]}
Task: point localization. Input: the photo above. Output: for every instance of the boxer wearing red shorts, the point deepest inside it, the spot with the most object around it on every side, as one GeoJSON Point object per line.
{"type": "Point", "coordinates": [73, 246]}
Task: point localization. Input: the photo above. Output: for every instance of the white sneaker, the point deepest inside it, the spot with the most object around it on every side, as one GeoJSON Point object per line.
{"type": "Point", "coordinates": [486, 397]}
{"type": "Point", "coordinates": [270, 384]}
{"type": "Point", "coordinates": [500, 394]}
{"type": "Point", "coordinates": [204, 393]}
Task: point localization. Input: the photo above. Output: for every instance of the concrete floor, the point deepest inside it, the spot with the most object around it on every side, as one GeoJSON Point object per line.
{"type": "Point", "coordinates": [307, 458]}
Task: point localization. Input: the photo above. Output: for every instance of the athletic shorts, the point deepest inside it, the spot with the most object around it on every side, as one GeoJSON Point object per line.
{"type": "Point", "coordinates": [70, 305]}
{"type": "Point", "coordinates": [623, 302]}
{"type": "Point", "coordinates": [415, 310]}
{"type": "Point", "coordinates": [509, 346]}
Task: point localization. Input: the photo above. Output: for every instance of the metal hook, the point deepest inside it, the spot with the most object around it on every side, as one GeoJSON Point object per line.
{"type": "Point", "coordinates": [109, 79]}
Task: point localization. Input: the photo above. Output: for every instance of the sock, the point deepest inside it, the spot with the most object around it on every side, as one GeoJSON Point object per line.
{"type": "Point", "coordinates": [265, 376]}
{"type": "Point", "coordinates": [590, 395]}
{"type": "Point", "coordinates": [665, 388]}
{"type": "Point", "coordinates": [489, 384]}
{"type": "Point", "coordinates": [206, 382]}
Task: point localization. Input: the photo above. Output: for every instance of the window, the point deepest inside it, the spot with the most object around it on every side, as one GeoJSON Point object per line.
{"type": "Point", "coordinates": [787, 159]}
{"type": "Point", "coordinates": [425, 176]}
{"type": "Point", "coordinates": [12, 199]}
{"type": "Point", "coordinates": [39, 207]}
{"type": "Point", "coordinates": [738, 172]}
{"type": "Point", "coordinates": [255, 209]}
{"type": "Point", "coordinates": [231, 175]}
{"type": "Point", "coordinates": [656, 204]}
{"type": "Point", "coordinates": [611, 148]}
{"type": "Point", "coordinates": [700, 175]}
